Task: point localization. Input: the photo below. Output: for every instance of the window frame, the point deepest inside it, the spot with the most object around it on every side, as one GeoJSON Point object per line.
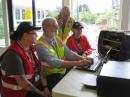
{"type": "Point", "coordinates": [6, 26]}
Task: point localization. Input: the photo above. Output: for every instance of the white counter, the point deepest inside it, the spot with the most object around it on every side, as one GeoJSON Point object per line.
{"type": "Point", "coordinates": [72, 85]}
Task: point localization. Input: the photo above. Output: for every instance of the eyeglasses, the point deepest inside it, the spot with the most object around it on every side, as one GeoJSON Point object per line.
{"type": "Point", "coordinates": [33, 33]}
{"type": "Point", "coordinates": [54, 26]}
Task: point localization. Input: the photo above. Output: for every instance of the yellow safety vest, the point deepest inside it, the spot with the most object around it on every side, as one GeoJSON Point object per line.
{"type": "Point", "coordinates": [63, 35]}
{"type": "Point", "coordinates": [58, 54]}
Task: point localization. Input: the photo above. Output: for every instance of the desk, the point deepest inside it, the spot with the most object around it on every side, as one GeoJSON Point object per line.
{"type": "Point", "coordinates": [71, 85]}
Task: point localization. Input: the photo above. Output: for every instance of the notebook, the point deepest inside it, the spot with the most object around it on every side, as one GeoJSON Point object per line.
{"type": "Point", "coordinates": [96, 64]}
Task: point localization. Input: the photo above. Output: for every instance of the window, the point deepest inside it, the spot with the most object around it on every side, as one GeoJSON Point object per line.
{"type": "Point", "coordinates": [22, 11]}
{"type": "Point", "coordinates": [96, 18]}
{"type": "Point", "coordinates": [23, 14]}
{"type": "Point", "coordinates": [38, 14]}
{"type": "Point", "coordinates": [17, 14]}
{"type": "Point", "coordinates": [47, 8]}
{"type": "Point", "coordinates": [2, 35]}
{"type": "Point", "coordinates": [42, 14]}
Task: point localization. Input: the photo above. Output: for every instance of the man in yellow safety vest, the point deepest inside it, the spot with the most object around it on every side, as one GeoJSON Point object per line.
{"type": "Point", "coordinates": [52, 51]}
{"type": "Point", "coordinates": [65, 22]}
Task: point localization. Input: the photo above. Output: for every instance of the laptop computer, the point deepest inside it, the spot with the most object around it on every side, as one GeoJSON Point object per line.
{"type": "Point", "coordinates": [96, 64]}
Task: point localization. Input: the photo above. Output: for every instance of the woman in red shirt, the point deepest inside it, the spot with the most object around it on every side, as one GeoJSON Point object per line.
{"type": "Point", "coordinates": [78, 42]}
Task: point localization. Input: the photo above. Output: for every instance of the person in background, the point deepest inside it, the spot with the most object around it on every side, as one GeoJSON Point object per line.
{"type": "Point", "coordinates": [78, 42]}
{"type": "Point", "coordinates": [65, 22]}
{"type": "Point", "coordinates": [20, 67]}
{"type": "Point", "coordinates": [52, 51]}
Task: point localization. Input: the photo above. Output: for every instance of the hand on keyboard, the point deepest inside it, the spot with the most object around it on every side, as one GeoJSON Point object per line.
{"type": "Point", "coordinates": [91, 61]}
{"type": "Point", "coordinates": [87, 65]}
{"type": "Point", "coordinates": [86, 62]}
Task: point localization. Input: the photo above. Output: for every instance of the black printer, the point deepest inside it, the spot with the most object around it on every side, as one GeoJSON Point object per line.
{"type": "Point", "coordinates": [114, 79]}
{"type": "Point", "coordinates": [119, 41]}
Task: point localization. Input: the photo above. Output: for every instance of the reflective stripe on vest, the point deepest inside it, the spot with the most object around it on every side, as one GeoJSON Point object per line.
{"type": "Point", "coordinates": [3, 72]}
{"type": "Point", "coordinates": [11, 86]}
{"type": "Point", "coordinates": [29, 76]}
{"type": "Point", "coordinates": [16, 87]}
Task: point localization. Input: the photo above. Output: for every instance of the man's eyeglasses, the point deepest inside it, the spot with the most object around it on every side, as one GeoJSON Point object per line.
{"type": "Point", "coordinates": [33, 33]}
{"type": "Point", "coordinates": [54, 26]}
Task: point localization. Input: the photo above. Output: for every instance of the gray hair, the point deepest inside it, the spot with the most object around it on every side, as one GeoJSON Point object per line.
{"type": "Point", "coordinates": [47, 21]}
{"type": "Point", "coordinates": [65, 9]}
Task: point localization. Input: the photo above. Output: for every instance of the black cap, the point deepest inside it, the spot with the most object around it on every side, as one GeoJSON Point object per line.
{"type": "Point", "coordinates": [23, 27]}
{"type": "Point", "coordinates": [77, 25]}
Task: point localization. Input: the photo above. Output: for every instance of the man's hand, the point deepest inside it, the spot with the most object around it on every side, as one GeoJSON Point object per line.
{"type": "Point", "coordinates": [90, 59]}
{"type": "Point", "coordinates": [83, 62]}
{"type": "Point", "coordinates": [60, 22]}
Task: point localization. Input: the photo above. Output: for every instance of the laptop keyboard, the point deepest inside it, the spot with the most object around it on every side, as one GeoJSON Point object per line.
{"type": "Point", "coordinates": [97, 63]}
{"type": "Point", "coordinates": [92, 67]}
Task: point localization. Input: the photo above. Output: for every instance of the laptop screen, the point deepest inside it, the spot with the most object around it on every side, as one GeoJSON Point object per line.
{"type": "Point", "coordinates": [104, 59]}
